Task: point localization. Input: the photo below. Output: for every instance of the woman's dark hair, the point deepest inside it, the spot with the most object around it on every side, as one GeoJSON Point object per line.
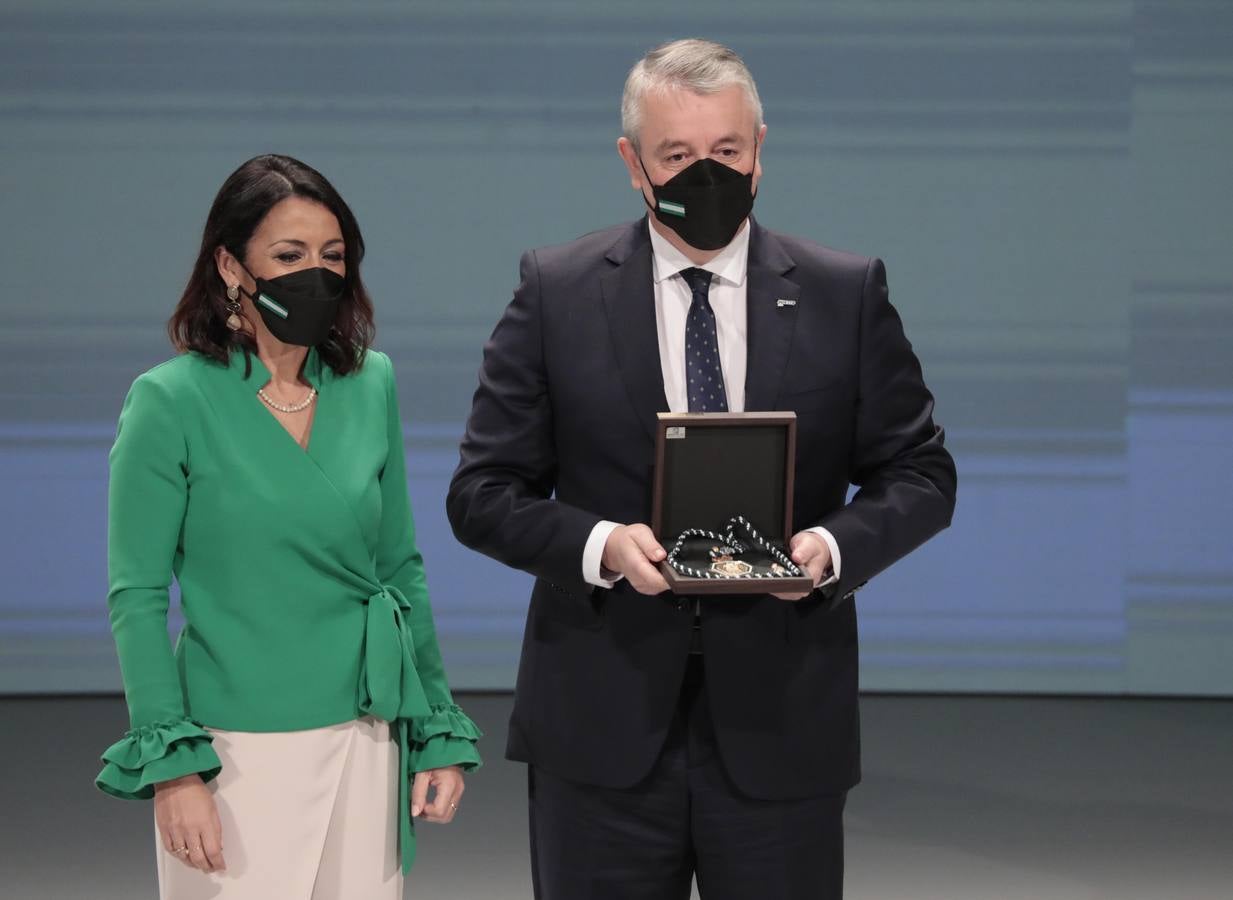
{"type": "Point", "coordinates": [246, 197]}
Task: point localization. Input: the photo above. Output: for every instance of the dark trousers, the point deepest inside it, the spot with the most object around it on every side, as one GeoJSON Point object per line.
{"type": "Point", "coordinates": [685, 817]}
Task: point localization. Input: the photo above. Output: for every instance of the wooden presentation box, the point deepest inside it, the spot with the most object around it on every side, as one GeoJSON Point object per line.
{"type": "Point", "coordinates": [710, 467]}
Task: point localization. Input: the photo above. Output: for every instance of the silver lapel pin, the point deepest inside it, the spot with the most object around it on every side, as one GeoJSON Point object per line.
{"type": "Point", "coordinates": [781, 303]}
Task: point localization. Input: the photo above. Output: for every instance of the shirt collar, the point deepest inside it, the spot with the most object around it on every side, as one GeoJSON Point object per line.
{"type": "Point", "coordinates": [728, 265]}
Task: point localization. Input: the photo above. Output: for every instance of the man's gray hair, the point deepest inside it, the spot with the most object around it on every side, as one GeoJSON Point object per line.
{"type": "Point", "coordinates": [703, 67]}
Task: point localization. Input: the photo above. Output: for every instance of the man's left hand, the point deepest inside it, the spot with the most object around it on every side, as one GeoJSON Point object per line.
{"type": "Point", "coordinates": [812, 554]}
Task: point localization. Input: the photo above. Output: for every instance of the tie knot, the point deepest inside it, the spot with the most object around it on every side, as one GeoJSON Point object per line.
{"type": "Point", "coordinates": [699, 280]}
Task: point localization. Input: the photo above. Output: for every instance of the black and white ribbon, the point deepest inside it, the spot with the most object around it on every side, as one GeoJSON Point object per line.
{"type": "Point", "coordinates": [728, 540]}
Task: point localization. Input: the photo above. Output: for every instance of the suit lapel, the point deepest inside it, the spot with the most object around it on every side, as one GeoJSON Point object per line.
{"type": "Point", "coordinates": [769, 322]}
{"type": "Point", "coordinates": [629, 300]}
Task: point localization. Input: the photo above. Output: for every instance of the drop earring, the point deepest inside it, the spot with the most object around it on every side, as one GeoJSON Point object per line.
{"type": "Point", "coordinates": [234, 322]}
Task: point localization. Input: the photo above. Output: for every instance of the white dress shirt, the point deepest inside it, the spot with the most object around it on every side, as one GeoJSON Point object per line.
{"type": "Point", "coordinates": [672, 300]}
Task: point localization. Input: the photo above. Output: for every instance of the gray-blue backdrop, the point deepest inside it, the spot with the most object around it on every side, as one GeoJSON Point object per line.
{"type": "Point", "coordinates": [1048, 182]}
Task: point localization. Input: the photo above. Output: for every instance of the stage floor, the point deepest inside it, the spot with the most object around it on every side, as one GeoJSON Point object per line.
{"type": "Point", "coordinates": [964, 798]}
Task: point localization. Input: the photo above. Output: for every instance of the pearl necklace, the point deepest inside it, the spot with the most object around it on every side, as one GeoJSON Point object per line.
{"type": "Point", "coordinates": [284, 408]}
{"type": "Point", "coordinates": [729, 551]}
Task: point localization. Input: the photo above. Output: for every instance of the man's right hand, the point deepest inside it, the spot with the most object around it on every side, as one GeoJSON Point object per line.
{"type": "Point", "coordinates": [632, 551]}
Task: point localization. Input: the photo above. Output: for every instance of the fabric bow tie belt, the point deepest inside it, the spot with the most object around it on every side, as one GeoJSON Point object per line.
{"type": "Point", "coordinates": [390, 689]}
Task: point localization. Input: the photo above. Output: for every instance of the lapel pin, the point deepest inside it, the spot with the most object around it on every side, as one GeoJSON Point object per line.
{"type": "Point", "coordinates": [781, 303]}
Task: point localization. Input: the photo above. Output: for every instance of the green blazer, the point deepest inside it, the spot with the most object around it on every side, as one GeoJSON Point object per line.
{"type": "Point", "coordinates": [302, 590]}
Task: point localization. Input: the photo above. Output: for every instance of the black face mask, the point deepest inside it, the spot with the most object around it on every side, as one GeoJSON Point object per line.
{"type": "Point", "coordinates": [299, 307]}
{"type": "Point", "coordinates": [705, 203]}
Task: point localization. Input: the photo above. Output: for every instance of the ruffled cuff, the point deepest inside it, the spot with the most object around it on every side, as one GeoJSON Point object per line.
{"type": "Point", "coordinates": [445, 737]}
{"type": "Point", "coordinates": [157, 752]}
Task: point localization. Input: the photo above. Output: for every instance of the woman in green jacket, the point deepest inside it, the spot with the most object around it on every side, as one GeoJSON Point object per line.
{"type": "Point", "coordinates": [263, 467]}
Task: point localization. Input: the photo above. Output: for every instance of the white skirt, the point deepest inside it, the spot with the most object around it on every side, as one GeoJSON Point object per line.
{"type": "Point", "coordinates": [306, 815]}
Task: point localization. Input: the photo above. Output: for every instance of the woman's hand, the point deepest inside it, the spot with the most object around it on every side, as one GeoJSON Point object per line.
{"type": "Point", "coordinates": [449, 787]}
{"type": "Point", "coordinates": [188, 823]}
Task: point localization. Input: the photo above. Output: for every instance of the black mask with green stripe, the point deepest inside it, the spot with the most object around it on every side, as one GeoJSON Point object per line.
{"type": "Point", "coordinates": [300, 307]}
{"type": "Point", "coordinates": [705, 203]}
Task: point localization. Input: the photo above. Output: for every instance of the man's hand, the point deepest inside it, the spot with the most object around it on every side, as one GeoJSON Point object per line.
{"type": "Point", "coordinates": [812, 554]}
{"type": "Point", "coordinates": [632, 551]}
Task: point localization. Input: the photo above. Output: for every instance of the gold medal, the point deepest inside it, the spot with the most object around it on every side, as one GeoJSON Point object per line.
{"type": "Point", "coordinates": [731, 568]}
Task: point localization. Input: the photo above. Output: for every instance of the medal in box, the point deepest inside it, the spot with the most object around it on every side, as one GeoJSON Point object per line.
{"type": "Point", "coordinates": [722, 502]}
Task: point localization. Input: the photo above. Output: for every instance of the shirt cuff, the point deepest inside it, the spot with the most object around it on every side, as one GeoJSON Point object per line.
{"type": "Point", "coordinates": [836, 561]}
{"type": "Point", "coordinates": [445, 737]}
{"type": "Point", "coordinates": [593, 555]}
{"type": "Point", "coordinates": [443, 751]}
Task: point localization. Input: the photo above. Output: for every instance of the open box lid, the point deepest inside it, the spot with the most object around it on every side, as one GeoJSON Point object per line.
{"type": "Point", "coordinates": [710, 467]}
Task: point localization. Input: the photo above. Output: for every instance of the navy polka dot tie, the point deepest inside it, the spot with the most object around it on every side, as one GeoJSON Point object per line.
{"type": "Point", "coordinates": [704, 377]}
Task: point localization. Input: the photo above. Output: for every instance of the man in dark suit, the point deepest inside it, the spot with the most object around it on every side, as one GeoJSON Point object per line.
{"type": "Point", "coordinates": [671, 736]}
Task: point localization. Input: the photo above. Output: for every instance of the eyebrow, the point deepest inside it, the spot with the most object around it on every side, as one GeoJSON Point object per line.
{"type": "Point", "coordinates": [302, 244]}
{"type": "Point", "coordinates": [668, 144]}
{"type": "Point", "coordinates": [665, 145]}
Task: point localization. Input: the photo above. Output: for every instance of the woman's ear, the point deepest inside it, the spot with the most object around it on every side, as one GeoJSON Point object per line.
{"type": "Point", "coordinates": [229, 268]}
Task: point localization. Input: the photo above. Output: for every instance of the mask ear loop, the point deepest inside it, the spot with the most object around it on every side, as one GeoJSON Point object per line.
{"type": "Point", "coordinates": [249, 273]}
{"type": "Point", "coordinates": [755, 165]}
{"type": "Point", "coordinates": [648, 181]}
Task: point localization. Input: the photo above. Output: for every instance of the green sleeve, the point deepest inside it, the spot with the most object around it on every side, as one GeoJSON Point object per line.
{"type": "Point", "coordinates": [447, 736]}
{"type": "Point", "coordinates": [147, 496]}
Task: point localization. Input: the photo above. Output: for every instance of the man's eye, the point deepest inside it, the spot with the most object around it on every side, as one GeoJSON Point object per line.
{"type": "Point", "coordinates": [676, 157]}
{"type": "Point", "coordinates": [728, 152]}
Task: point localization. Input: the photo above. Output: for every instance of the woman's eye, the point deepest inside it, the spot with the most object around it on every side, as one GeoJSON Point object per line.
{"type": "Point", "coordinates": [334, 257]}
{"type": "Point", "coordinates": [289, 258]}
